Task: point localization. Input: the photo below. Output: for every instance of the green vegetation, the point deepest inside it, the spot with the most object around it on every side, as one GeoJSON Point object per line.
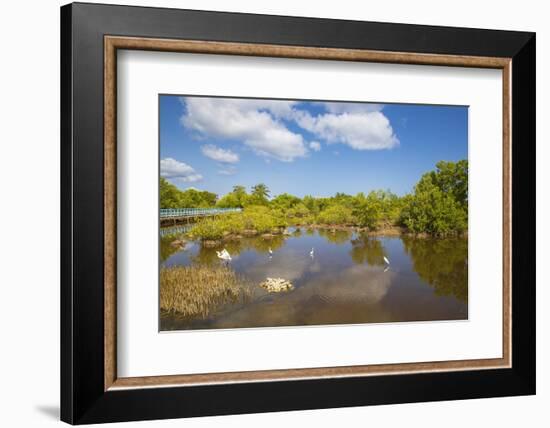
{"type": "Point", "coordinates": [198, 290]}
{"type": "Point", "coordinates": [253, 220]}
{"type": "Point", "coordinates": [336, 214]}
{"type": "Point", "coordinates": [238, 198]}
{"type": "Point", "coordinates": [438, 206]}
{"type": "Point", "coordinates": [172, 197]}
{"type": "Point", "coordinates": [210, 229]}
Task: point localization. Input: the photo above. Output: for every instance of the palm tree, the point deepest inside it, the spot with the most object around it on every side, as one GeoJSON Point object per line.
{"type": "Point", "coordinates": [260, 191]}
{"type": "Point", "coordinates": [239, 190]}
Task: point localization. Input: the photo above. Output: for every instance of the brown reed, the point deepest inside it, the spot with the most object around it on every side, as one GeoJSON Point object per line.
{"type": "Point", "coordinates": [192, 291]}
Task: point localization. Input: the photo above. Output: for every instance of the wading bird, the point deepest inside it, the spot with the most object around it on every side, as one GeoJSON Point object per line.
{"type": "Point", "coordinates": [224, 255]}
{"type": "Point", "coordinates": [270, 252]}
{"type": "Point", "coordinates": [311, 252]}
{"type": "Point", "coordinates": [386, 260]}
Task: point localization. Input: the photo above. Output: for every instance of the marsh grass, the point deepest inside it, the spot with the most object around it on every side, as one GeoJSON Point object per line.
{"type": "Point", "coordinates": [193, 291]}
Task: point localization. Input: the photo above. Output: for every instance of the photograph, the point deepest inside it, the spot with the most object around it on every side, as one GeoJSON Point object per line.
{"type": "Point", "coordinates": [277, 212]}
{"type": "Point", "coordinates": [260, 210]}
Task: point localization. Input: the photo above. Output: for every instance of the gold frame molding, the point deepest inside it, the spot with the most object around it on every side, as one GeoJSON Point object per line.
{"type": "Point", "coordinates": [113, 43]}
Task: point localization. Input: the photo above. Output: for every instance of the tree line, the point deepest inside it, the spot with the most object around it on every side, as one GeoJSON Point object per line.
{"type": "Point", "coordinates": [438, 204]}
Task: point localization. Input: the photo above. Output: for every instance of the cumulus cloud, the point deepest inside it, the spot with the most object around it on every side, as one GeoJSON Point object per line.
{"type": "Point", "coordinates": [315, 146]}
{"type": "Point", "coordinates": [268, 127]}
{"type": "Point", "coordinates": [257, 123]}
{"type": "Point", "coordinates": [219, 154]}
{"type": "Point", "coordinates": [172, 169]}
{"type": "Point", "coordinates": [358, 130]}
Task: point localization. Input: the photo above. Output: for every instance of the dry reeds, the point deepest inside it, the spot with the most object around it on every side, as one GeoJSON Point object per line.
{"type": "Point", "coordinates": [198, 290]}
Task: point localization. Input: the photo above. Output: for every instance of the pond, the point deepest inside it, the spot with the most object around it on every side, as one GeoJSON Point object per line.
{"type": "Point", "coordinates": [345, 281]}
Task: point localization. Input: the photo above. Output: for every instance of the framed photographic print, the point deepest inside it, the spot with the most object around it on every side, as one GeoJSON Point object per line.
{"type": "Point", "coordinates": [265, 213]}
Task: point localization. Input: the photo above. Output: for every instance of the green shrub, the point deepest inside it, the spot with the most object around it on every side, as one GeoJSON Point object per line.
{"type": "Point", "coordinates": [336, 214]}
{"type": "Point", "coordinates": [434, 211]}
{"type": "Point", "coordinates": [258, 218]}
{"type": "Point", "coordinates": [232, 223]}
{"type": "Point", "coordinates": [209, 229]}
{"type": "Point", "coordinates": [279, 218]}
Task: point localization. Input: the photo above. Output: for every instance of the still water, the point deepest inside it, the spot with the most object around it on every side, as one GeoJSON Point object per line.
{"type": "Point", "coordinates": [346, 281]}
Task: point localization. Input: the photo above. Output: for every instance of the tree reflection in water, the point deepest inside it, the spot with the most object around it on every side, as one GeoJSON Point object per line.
{"type": "Point", "coordinates": [166, 247]}
{"type": "Point", "coordinates": [346, 281]}
{"type": "Point", "coordinates": [336, 236]}
{"type": "Point", "coordinates": [367, 249]}
{"type": "Point", "coordinates": [442, 263]}
{"type": "Point", "coordinates": [207, 255]}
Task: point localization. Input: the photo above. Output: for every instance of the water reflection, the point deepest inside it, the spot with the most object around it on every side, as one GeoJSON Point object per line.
{"type": "Point", "coordinates": [297, 232]}
{"type": "Point", "coordinates": [442, 263]}
{"type": "Point", "coordinates": [346, 281]}
{"type": "Point", "coordinates": [167, 249]}
{"type": "Point", "coordinates": [367, 249]}
{"type": "Point", "coordinates": [207, 255]}
{"type": "Point", "coordinates": [336, 236]}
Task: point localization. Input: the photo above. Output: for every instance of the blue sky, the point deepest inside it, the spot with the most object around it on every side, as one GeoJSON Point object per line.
{"type": "Point", "coordinates": [305, 148]}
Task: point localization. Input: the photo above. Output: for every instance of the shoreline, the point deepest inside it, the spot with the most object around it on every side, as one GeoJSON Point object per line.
{"type": "Point", "coordinates": [388, 232]}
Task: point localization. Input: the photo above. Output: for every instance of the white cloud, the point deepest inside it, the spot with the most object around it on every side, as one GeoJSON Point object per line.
{"type": "Point", "coordinates": [191, 178]}
{"type": "Point", "coordinates": [255, 122]}
{"type": "Point", "coordinates": [228, 170]}
{"type": "Point", "coordinates": [261, 125]}
{"type": "Point", "coordinates": [315, 146]}
{"type": "Point", "coordinates": [360, 131]}
{"type": "Point", "coordinates": [219, 154]}
{"type": "Point", "coordinates": [170, 168]}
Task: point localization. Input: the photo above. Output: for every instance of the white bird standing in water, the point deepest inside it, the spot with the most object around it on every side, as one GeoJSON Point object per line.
{"type": "Point", "coordinates": [224, 255]}
{"type": "Point", "coordinates": [270, 252]}
{"type": "Point", "coordinates": [386, 260]}
{"type": "Point", "coordinates": [311, 252]}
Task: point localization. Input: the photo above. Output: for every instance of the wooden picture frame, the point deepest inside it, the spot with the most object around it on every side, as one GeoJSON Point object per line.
{"type": "Point", "coordinates": [91, 390]}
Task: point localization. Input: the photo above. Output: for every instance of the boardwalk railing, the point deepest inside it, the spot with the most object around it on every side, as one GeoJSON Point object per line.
{"type": "Point", "coordinates": [195, 212]}
{"type": "Point", "coordinates": [175, 230]}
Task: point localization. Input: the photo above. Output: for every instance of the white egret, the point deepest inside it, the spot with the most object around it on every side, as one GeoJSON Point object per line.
{"type": "Point", "coordinates": [386, 260]}
{"type": "Point", "coordinates": [311, 252]}
{"type": "Point", "coordinates": [270, 252]}
{"type": "Point", "coordinates": [224, 255]}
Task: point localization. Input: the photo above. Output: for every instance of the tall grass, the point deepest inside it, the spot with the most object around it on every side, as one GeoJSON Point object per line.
{"type": "Point", "coordinates": [198, 290]}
